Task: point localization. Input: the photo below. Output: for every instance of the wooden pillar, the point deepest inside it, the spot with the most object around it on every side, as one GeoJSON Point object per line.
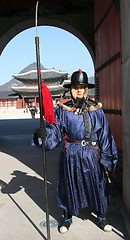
{"type": "Point", "coordinates": [23, 102]}
{"type": "Point", "coordinates": [61, 99]}
{"type": "Point", "coordinates": [7, 103]}
{"type": "Point", "coordinates": [35, 101]}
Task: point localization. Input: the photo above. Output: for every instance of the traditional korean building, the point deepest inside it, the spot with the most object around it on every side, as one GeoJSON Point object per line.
{"type": "Point", "coordinates": [25, 93]}
{"type": "Point", "coordinates": [29, 91]}
{"type": "Point", "coordinates": [8, 100]}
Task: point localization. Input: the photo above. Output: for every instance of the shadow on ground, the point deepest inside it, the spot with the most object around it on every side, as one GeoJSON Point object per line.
{"type": "Point", "coordinates": [15, 140]}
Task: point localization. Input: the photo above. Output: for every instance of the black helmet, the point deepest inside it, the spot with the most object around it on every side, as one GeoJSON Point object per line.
{"type": "Point", "coordinates": [79, 77]}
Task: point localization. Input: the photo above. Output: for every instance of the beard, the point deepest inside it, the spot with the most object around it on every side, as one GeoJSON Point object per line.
{"type": "Point", "coordinates": [79, 102]}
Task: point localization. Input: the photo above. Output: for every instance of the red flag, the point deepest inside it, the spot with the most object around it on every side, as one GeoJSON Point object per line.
{"type": "Point", "coordinates": [47, 103]}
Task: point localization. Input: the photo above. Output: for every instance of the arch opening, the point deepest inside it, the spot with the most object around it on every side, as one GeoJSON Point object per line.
{"type": "Point", "coordinates": [27, 24]}
{"type": "Point", "coordinates": [22, 27]}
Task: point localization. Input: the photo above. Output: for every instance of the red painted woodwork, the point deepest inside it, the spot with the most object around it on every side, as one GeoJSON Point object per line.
{"type": "Point", "coordinates": [19, 104]}
{"type": "Point", "coordinates": [108, 44]}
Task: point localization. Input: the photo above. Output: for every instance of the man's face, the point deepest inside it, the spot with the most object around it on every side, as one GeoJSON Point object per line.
{"type": "Point", "coordinates": [78, 90]}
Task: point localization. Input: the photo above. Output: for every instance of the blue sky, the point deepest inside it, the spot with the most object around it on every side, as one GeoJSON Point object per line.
{"type": "Point", "coordinates": [59, 49]}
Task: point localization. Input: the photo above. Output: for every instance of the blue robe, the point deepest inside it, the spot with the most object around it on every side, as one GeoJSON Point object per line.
{"type": "Point", "coordinates": [81, 180]}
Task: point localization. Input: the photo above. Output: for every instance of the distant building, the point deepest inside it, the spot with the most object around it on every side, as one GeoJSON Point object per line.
{"type": "Point", "coordinates": [26, 96]}
{"type": "Point", "coordinates": [8, 100]}
{"type": "Point", "coordinates": [29, 92]}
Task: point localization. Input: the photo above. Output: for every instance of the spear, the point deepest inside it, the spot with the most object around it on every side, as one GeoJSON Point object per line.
{"type": "Point", "coordinates": [42, 125]}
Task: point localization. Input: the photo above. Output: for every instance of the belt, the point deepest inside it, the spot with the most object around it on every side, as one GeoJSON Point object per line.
{"type": "Point", "coordinates": [82, 142]}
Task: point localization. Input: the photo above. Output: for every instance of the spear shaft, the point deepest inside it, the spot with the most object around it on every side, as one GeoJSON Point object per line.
{"type": "Point", "coordinates": [42, 125]}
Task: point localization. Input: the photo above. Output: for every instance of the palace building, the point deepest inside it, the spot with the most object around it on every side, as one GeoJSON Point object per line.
{"type": "Point", "coordinates": [9, 100]}
{"type": "Point", "coordinates": [26, 95]}
{"type": "Point", "coordinates": [29, 92]}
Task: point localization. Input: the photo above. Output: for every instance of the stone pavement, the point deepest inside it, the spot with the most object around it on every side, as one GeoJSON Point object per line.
{"type": "Point", "coordinates": [22, 206]}
{"type": "Point", "coordinates": [16, 114]}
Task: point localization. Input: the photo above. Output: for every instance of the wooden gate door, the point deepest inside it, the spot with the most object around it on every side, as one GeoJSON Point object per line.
{"type": "Point", "coordinates": [108, 66]}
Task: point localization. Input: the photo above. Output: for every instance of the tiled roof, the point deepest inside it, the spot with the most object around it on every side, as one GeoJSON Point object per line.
{"type": "Point", "coordinates": [8, 95]}
{"type": "Point", "coordinates": [29, 91]}
{"type": "Point", "coordinates": [35, 89]}
{"type": "Point", "coordinates": [50, 74]}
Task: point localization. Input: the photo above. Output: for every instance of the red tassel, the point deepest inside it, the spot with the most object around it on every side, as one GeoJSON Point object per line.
{"type": "Point", "coordinates": [47, 103]}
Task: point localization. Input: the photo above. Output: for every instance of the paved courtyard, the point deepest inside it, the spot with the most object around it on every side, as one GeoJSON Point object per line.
{"type": "Point", "coordinates": [22, 205]}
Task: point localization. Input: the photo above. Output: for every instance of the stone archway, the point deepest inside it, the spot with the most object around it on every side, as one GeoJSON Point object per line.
{"type": "Point", "coordinates": [69, 22]}
{"type": "Point", "coordinates": [29, 23]}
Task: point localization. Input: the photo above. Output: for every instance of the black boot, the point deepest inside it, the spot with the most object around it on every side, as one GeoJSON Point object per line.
{"type": "Point", "coordinates": [64, 227]}
{"type": "Point", "coordinates": [103, 224]}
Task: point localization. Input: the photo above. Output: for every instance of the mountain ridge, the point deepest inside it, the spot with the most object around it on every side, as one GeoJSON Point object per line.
{"type": "Point", "coordinates": [14, 82]}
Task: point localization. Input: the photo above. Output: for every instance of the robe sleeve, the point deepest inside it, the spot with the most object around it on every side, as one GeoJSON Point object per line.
{"type": "Point", "coordinates": [55, 133]}
{"type": "Point", "coordinates": [108, 154]}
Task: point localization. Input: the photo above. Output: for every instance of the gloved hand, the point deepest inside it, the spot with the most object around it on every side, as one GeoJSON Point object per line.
{"type": "Point", "coordinates": [39, 133]}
